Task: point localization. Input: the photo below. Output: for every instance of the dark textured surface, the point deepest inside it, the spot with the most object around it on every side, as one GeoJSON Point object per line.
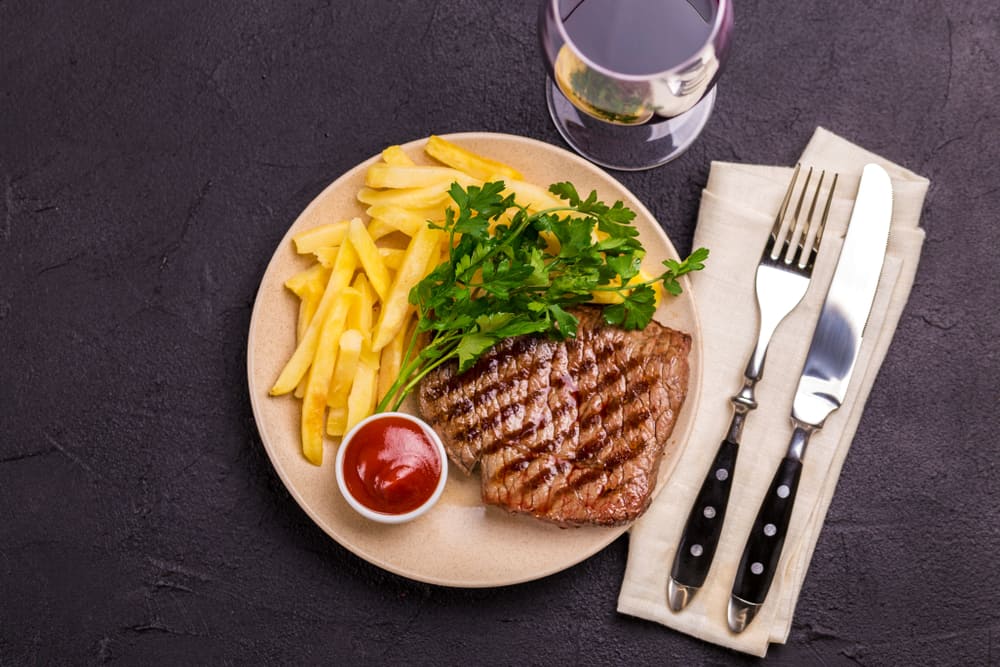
{"type": "Point", "coordinates": [152, 155]}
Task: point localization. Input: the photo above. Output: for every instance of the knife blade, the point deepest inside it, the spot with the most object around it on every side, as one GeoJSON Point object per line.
{"type": "Point", "coordinates": [826, 376]}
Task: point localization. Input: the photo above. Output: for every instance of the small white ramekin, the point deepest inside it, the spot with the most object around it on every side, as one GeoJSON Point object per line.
{"type": "Point", "coordinates": [382, 517]}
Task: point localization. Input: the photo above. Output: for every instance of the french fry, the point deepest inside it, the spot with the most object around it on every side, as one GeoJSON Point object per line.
{"type": "Point", "coordinates": [321, 373]}
{"type": "Point", "coordinates": [396, 156]}
{"type": "Point", "coordinates": [336, 421]}
{"type": "Point", "coordinates": [308, 285]}
{"type": "Point", "coordinates": [402, 219]}
{"type": "Point", "coordinates": [378, 229]}
{"type": "Point", "coordinates": [307, 310]}
{"type": "Point", "coordinates": [442, 254]}
{"type": "Point", "coordinates": [305, 351]}
{"type": "Point", "coordinates": [406, 197]}
{"type": "Point", "coordinates": [393, 176]}
{"type": "Point", "coordinates": [392, 314]}
{"type": "Point", "coordinates": [327, 255]}
{"type": "Point", "coordinates": [474, 165]}
{"type": "Point", "coordinates": [391, 359]}
{"type": "Point", "coordinates": [603, 297]}
{"type": "Point", "coordinates": [392, 257]}
{"type": "Point", "coordinates": [308, 281]}
{"type": "Point", "coordinates": [361, 402]}
{"type": "Point", "coordinates": [300, 388]}
{"type": "Point", "coordinates": [362, 316]}
{"type": "Point", "coordinates": [533, 197]}
{"type": "Point", "coordinates": [369, 257]}
{"type": "Point", "coordinates": [423, 214]}
{"type": "Point", "coordinates": [657, 289]}
{"type": "Point", "coordinates": [330, 234]}
{"type": "Point", "coordinates": [359, 319]}
{"type": "Point", "coordinates": [349, 351]}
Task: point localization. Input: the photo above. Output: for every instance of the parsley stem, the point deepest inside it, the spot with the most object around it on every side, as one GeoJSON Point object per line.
{"type": "Point", "coordinates": [418, 367]}
{"type": "Point", "coordinates": [423, 372]}
{"type": "Point", "coordinates": [630, 286]}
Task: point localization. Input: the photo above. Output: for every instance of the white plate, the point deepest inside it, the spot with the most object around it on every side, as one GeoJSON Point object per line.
{"type": "Point", "coordinates": [460, 542]}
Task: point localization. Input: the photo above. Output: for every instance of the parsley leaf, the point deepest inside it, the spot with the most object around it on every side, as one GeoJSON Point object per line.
{"type": "Point", "coordinates": [635, 311]}
{"type": "Point", "coordinates": [567, 191]}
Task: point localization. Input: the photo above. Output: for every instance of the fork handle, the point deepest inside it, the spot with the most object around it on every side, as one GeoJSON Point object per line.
{"type": "Point", "coordinates": [698, 542]}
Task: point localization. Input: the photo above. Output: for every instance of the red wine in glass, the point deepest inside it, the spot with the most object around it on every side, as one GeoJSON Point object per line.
{"type": "Point", "coordinates": [632, 81]}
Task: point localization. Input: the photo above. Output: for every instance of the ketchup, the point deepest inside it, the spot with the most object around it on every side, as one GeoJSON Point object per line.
{"type": "Point", "coordinates": [391, 466]}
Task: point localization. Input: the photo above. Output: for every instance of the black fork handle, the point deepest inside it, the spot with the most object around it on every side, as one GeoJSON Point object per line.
{"type": "Point", "coordinates": [703, 528]}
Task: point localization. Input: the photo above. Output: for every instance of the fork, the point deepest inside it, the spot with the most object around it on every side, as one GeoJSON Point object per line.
{"type": "Point", "coordinates": [782, 278]}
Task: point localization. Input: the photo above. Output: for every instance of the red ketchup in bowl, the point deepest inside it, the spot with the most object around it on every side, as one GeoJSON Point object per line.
{"type": "Point", "coordinates": [391, 465]}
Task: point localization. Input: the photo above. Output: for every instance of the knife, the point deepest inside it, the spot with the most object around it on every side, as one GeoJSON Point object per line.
{"type": "Point", "coordinates": [822, 386]}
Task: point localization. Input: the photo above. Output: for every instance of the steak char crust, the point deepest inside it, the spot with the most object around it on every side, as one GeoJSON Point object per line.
{"type": "Point", "coordinates": [572, 431]}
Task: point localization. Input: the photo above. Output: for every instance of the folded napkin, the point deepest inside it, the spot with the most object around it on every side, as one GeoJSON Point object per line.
{"type": "Point", "coordinates": [737, 210]}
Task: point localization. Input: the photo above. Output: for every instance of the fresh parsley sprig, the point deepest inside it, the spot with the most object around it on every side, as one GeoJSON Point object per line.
{"type": "Point", "coordinates": [511, 272]}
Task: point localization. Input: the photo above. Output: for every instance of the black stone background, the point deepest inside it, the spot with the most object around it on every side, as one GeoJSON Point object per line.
{"type": "Point", "coordinates": [152, 154]}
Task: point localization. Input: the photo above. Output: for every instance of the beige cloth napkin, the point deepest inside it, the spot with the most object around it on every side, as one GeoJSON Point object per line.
{"type": "Point", "coordinates": [737, 210]}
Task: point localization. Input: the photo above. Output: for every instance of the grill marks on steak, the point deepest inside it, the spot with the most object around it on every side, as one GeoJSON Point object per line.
{"type": "Point", "coordinates": [572, 431]}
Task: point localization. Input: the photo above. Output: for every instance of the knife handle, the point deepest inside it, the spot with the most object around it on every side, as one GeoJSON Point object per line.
{"type": "Point", "coordinates": [763, 547]}
{"type": "Point", "coordinates": [704, 524]}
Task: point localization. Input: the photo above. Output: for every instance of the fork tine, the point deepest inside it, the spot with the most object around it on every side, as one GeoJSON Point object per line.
{"type": "Point", "coordinates": [812, 206]}
{"type": "Point", "coordinates": [772, 240]}
{"type": "Point", "coordinates": [807, 259]}
{"type": "Point", "coordinates": [803, 252]}
{"type": "Point", "coordinates": [800, 253]}
{"type": "Point", "coordinates": [799, 228]}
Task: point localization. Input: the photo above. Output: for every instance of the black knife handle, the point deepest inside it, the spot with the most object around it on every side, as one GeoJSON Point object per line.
{"type": "Point", "coordinates": [763, 548]}
{"type": "Point", "coordinates": [704, 524]}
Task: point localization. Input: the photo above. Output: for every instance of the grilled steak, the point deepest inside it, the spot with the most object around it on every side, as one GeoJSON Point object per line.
{"type": "Point", "coordinates": [571, 432]}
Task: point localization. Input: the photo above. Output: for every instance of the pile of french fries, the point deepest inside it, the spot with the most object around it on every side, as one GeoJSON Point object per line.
{"type": "Point", "coordinates": [354, 318]}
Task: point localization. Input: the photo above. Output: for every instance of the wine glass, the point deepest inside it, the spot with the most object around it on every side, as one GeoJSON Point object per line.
{"type": "Point", "coordinates": [632, 82]}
